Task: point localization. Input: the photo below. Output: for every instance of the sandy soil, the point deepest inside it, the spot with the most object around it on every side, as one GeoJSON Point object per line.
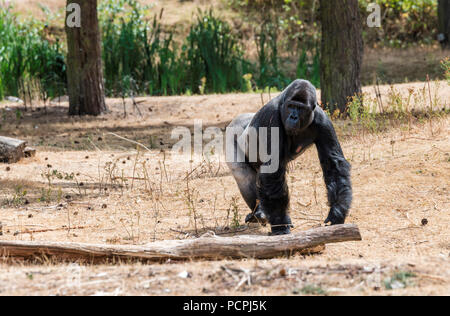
{"type": "Point", "coordinates": [86, 185]}
{"type": "Point", "coordinates": [175, 12]}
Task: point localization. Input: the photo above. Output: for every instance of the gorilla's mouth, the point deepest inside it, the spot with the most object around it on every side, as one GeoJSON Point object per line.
{"type": "Point", "coordinates": [298, 128]}
{"type": "Point", "coordinates": [291, 126]}
{"type": "Point", "coordinates": [293, 131]}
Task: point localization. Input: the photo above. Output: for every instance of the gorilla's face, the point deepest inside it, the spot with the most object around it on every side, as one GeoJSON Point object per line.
{"type": "Point", "coordinates": [298, 107]}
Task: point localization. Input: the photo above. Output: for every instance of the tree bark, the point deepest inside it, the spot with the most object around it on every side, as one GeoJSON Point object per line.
{"type": "Point", "coordinates": [342, 52]}
{"type": "Point", "coordinates": [444, 23]}
{"type": "Point", "coordinates": [84, 63]}
{"type": "Point", "coordinates": [261, 247]}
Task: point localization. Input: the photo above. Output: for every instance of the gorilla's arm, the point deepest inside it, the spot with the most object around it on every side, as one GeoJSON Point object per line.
{"type": "Point", "coordinates": [336, 169]}
{"type": "Point", "coordinates": [271, 188]}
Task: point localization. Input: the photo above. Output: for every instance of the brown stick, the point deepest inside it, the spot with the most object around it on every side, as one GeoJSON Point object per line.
{"type": "Point", "coordinates": [261, 247]}
{"type": "Point", "coordinates": [30, 231]}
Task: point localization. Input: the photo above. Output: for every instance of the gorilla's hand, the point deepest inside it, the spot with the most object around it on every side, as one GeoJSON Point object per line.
{"type": "Point", "coordinates": [258, 217]}
{"type": "Point", "coordinates": [336, 216]}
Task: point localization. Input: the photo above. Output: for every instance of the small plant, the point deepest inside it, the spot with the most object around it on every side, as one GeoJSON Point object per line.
{"type": "Point", "coordinates": [50, 176]}
{"type": "Point", "coordinates": [46, 195]}
{"type": "Point", "coordinates": [19, 197]}
{"type": "Point", "coordinates": [202, 87]}
{"type": "Point", "coordinates": [399, 280]}
{"type": "Point", "coordinates": [235, 222]}
{"type": "Point", "coordinates": [363, 110]}
{"type": "Point", "coordinates": [446, 66]}
{"type": "Point", "coordinates": [368, 115]}
{"type": "Point", "coordinates": [354, 108]}
{"type": "Point", "coordinates": [191, 196]}
{"type": "Point", "coordinates": [55, 174]}
{"type": "Point", "coordinates": [248, 83]}
{"type": "Point", "coordinates": [313, 290]}
{"type": "Point", "coordinates": [18, 115]}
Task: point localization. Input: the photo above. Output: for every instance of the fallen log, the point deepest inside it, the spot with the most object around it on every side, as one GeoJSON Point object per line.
{"type": "Point", "coordinates": [11, 150]}
{"type": "Point", "coordinates": [29, 152]}
{"type": "Point", "coordinates": [238, 247]}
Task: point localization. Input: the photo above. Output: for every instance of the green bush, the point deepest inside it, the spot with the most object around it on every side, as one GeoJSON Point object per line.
{"type": "Point", "coordinates": [308, 66]}
{"type": "Point", "coordinates": [29, 63]}
{"type": "Point", "coordinates": [138, 56]}
{"type": "Point", "coordinates": [212, 51]}
{"type": "Point", "coordinates": [269, 61]}
{"type": "Point", "coordinates": [404, 22]}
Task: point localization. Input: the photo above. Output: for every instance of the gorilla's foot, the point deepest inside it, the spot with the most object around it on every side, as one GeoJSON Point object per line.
{"type": "Point", "coordinates": [281, 226]}
{"type": "Point", "coordinates": [257, 217]}
{"type": "Point", "coordinates": [336, 217]}
{"type": "Point", "coordinates": [281, 230]}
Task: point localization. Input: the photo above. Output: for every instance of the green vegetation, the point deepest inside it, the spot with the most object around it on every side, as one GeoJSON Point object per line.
{"type": "Point", "coordinates": [399, 280]}
{"type": "Point", "coordinates": [313, 290]}
{"type": "Point", "coordinates": [141, 56]}
{"type": "Point", "coordinates": [363, 110]}
{"type": "Point", "coordinates": [30, 65]}
{"type": "Point", "coordinates": [18, 198]}
{"type": "Point", "coordinates": [446, 67]}
{"type": "Point", "coordinates": [404, 21]}
{"type": "Point", "coordinates": [212, 52]}
{"type": "Point", "coordinates": [309, 66]}
{"type": "Point", "coordinates": [138, 56]}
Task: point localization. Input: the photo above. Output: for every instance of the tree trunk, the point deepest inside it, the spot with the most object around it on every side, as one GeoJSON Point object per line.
{"type": "Point", "coordinates": [84, 62]}
{"type": "Point", "coordinates": [342, 52]}
{"type": "Point", "coordinates": [444, 23]}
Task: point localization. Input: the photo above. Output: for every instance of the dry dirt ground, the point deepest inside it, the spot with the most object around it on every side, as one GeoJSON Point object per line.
{"type": "Point", "coordinates": [87, 185]}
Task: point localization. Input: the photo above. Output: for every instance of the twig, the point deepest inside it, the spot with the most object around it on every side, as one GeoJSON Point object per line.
{"type": "Point", "coordinates": [130, 141]}
{"type": "Point", "coordinates": [229, 272]}
{"type": "Point", "coordinates": [431, 106]}
{"type": "Point", "coordinates": [28, 231]}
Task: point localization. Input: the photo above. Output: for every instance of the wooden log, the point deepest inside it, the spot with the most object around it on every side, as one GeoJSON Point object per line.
{"type": "Point", "coordinates": [260, 247]}
{"type": "Point", "coordinates": [29, 152]}
{"type": "Point", "coordinates": [11, 150]}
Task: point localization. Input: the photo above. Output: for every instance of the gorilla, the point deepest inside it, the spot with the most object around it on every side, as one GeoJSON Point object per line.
{"type": "Point", "coordinates": [300, 123]}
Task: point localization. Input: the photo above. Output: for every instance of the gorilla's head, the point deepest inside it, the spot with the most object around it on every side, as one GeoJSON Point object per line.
{"type": "Point", "coordinates": [299, 101]}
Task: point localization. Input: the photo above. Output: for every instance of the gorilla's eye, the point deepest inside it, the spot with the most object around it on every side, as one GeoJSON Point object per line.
{"type": "Point", "coordinates": [296, 105]}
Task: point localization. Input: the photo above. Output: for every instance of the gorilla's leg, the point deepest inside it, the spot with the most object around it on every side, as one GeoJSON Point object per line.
{"type": "Point", "coordinates": [273, 192]}
{"type": "Point", "coordinates": [245, 178]}
{"type": "Point", "coordinates": [245, 175]}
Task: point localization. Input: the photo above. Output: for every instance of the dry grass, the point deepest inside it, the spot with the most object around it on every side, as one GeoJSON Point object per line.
{"type": "Point", "coordinates": [175, 12]}
{"type": "Point", "coordinates": [403, 65]}
{"type": "Point", "coordinates": [86, 185]}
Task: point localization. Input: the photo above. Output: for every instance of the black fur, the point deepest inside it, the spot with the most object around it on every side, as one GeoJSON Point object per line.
{"type": "Point", "coordinates": [302, 123]}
